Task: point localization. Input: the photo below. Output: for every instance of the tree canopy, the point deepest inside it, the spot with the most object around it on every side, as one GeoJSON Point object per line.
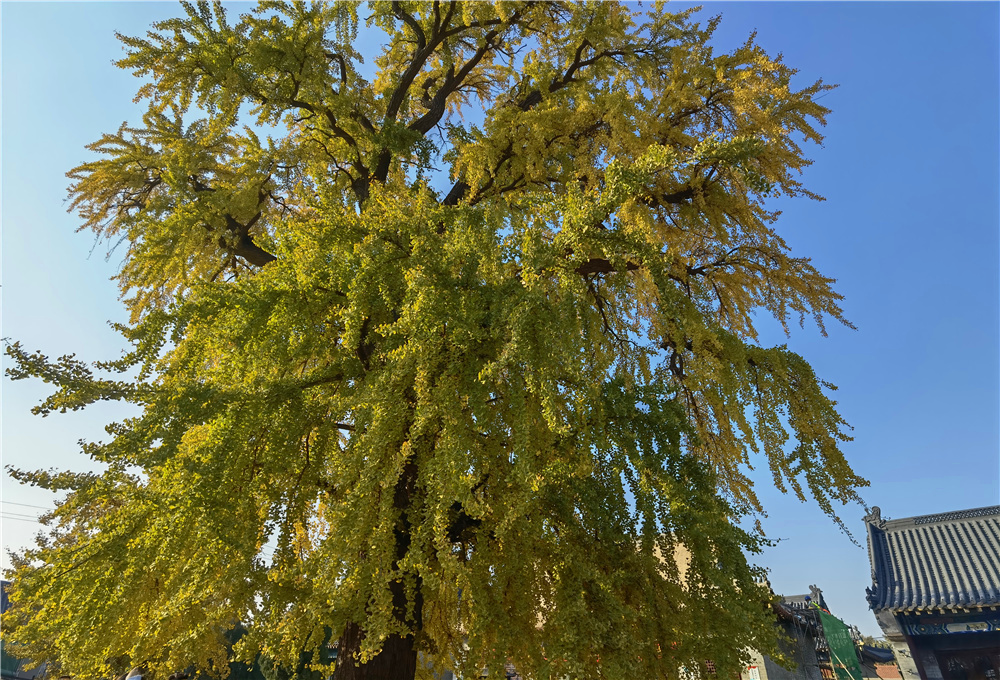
{"type": "Point", "coordinates": [452, 357]}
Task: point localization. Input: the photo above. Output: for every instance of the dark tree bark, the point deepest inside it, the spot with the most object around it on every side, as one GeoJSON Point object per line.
{"type": "Point", "coordinates": [398, 658]}
{"type": "Point", "coordinates": [396, 661]}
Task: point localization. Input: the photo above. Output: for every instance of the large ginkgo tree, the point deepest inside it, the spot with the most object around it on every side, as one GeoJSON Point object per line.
{"type": "Point", "coordinates": [451, 365]}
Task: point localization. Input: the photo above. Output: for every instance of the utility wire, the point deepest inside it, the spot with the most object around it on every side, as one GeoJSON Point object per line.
{"type": "Point", "coordinates": [19, 519]}
{"type": "Point", "coordinates": [19, 514]}
{"type": "Point", "coordinates": [25, 505]}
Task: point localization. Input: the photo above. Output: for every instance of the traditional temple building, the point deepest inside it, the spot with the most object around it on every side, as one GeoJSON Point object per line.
{"type": "Point", "coordinates": [805, 642]}
{"type": "Point", "coordinates": [801, 643]}
{"type": "Point", "coordinates": [936, 592]}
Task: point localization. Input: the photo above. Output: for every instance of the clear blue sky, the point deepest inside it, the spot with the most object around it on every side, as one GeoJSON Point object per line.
{"type": "Point", "coordinates": [910, 230]}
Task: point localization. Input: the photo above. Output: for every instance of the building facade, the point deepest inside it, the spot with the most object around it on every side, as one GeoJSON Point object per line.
{"type": "Point", "coordinates": [936, 592]}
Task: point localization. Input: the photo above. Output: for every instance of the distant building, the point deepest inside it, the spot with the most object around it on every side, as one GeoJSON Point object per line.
{"type": "Point", "coordinates": [800, 645]}
{"type": "Point", "coordinates": [12, 668]}
{"type": "Point", "coordinates": [804, 643]}
{"type": "Point", "coordinates": [936, 592]}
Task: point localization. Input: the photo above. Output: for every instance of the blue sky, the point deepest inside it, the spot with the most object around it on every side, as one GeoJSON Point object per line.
{"type": "Point", "coordinates": [909, 228]}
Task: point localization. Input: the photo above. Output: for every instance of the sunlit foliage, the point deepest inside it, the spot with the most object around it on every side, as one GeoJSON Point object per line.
{"type": "Point", "coordinates": [457, 360]}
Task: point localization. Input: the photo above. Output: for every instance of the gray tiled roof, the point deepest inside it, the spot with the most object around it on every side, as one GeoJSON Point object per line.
{"type": "Point", "coordinates": [945, 561]}
{"type": "Point", "coordinates": [805, 601]}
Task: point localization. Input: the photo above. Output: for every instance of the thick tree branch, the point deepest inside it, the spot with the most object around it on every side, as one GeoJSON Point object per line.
{"type": "Point", "coordinates": [529, 101]}
{"type": "Point", "coordinates": [680, 196]}
{"type": "Point", "coordinates": [414, 25]}
{"type": "Point", "coordinates": [598, 265]}
{"type": "Point", "coordinates": [333, 56]}
{"type": "Point", "coordinates": [242, 245]}
{"type": "Point", "coordinates": [452, 82]}
{"type": "Point", "coordinates": [535, 96]}
{"type": "Point", "coordinates": [456, 194]}
{"type": "Point", "coordinates": [453, 79]}
{"type": "Point", "coordinates": [420, 56]}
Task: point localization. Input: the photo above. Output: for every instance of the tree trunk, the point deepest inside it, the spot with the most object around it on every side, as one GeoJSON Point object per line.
{"type": "Point", "coordinates": [398, 658]}
{"type": "Point", "coordinates": [396, 661]}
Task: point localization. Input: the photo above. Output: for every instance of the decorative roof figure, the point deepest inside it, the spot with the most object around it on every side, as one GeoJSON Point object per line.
{"type": "Point", "coordinates": [875, 517]}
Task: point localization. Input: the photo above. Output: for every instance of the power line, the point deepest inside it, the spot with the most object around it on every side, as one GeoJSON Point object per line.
{"type": "Point", "coordinates": [25, 505]}
{"type": "Point", "coordinates": [19, 519]}
{"type": "Point", "coordinates": [19, 514]}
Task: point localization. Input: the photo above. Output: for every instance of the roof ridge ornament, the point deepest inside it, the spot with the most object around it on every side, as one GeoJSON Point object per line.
{"type": "Point", "coordinates": [871, 594]}
{"type": "Point", "coordinates": [874, 517]}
